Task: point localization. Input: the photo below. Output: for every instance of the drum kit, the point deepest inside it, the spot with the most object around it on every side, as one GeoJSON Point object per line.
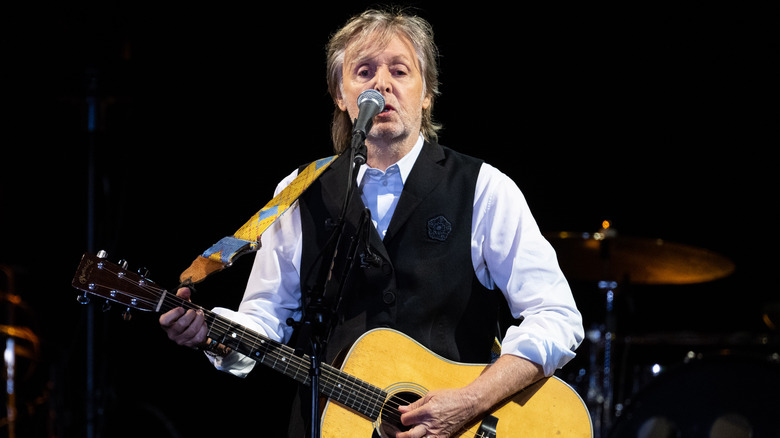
{"type": "Point", "coordinates": [662, 399]}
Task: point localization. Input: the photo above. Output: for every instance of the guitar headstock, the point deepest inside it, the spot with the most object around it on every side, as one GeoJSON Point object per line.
{"type": "Point", "coordinates": [97, 276]}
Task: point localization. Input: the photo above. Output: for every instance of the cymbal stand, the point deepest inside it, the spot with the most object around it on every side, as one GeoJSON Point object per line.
{"type": "Point", "coordinates": [600, 384]}
{"type": "Point", "coordinates": [8, 298]}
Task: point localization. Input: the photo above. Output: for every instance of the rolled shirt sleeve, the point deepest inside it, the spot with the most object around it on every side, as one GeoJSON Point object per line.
{"type": "Point", "coordinates": [509, 252]}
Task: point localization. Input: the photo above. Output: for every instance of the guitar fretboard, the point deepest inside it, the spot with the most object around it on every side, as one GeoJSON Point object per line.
{"type": "Point", "coordinates": [356, 394]}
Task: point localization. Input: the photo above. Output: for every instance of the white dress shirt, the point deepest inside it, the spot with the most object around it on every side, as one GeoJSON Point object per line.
{"type": "Point", "coordinates": [508, 252]}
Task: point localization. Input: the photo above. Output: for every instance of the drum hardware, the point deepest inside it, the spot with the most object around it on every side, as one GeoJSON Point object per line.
{"type": "Point", "coordinates": [19, 343]}
{"type": "Point", "coordinates": [714, 395]}
{"type": "Point", "coordinates": [606, 259]}
{"type": "Point", "coordinates": [600, 392]}
{"type": "Point", "coordinates": [770, 314]}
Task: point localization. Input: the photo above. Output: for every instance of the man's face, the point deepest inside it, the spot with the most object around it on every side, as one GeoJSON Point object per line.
{"type": "Point", "coordinates": [395, 73]}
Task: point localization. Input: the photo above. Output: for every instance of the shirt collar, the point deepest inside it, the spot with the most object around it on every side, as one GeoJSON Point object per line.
{"type": "Point", "coordinates": [404, 165]}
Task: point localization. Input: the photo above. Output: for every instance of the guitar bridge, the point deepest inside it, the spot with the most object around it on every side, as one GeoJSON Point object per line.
{"type": "Point", "coordinates": [488, 428]}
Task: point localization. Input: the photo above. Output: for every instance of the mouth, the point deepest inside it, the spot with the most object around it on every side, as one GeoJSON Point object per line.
{"type": "Point", "coordinates": [386, 110]}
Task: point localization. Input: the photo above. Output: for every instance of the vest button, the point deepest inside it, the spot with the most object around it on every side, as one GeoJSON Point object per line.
{"type": "Point", "coordinates": [387, 268]}
{"type": "Point", "coordinates": [388, 297]}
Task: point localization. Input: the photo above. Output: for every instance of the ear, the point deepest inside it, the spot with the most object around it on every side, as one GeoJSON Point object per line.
{"type": "Point", "coordinates": [340, 101]}
{"type": "Point", "coordinates": [426, 103]}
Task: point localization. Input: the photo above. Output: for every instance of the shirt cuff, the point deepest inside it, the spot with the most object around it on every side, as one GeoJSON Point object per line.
{"type": "Point", "coordinates": [547, 353]}
{"type": "Point", "coordinates": [234, 363]}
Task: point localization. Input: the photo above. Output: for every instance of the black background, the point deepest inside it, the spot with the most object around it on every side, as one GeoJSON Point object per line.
{"type": "Point", "coordinates": [662, 120]}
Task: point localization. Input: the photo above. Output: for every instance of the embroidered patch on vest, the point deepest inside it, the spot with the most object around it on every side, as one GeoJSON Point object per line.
{"type": "Point", "coordinates": [439, 228]}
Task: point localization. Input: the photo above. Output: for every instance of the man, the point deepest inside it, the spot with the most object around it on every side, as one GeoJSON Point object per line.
{"type": "Point", "coordinates": [451, 238]}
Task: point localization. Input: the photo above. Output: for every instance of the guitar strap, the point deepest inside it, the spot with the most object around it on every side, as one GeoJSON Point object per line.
{"type": "Point", "coordinates": [247, 238]}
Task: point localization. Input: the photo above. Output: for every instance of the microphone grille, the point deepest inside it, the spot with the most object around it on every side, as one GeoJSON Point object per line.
{"type": "Point", "coordinates": [372, 95]}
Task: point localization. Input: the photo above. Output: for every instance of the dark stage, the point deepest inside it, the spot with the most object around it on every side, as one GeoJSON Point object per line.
{"type": "Point", "coordinates": [153, 131]}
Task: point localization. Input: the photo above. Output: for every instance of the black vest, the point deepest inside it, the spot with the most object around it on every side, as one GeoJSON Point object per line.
{"type": "Point", "coordinates": [422, 282]}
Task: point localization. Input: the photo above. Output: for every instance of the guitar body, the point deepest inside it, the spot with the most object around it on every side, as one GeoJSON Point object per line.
{"type": "Point", "coordinates": [391, 360]}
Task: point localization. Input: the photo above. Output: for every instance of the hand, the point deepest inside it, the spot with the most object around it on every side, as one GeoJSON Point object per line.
{"type": "Point", "coordinates": [440, 414]}
{"type": "Point", "coordinates": [185, 327]}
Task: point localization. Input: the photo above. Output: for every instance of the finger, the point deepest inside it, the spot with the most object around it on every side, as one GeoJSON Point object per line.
{"type": "Point", "coordinates": [190, 328]}
{"type": "Point", "coordinates": [184, 293]}
{"type": "Point", "coordinates": [416, 404]}
{"type": "Point", "coordinates": [177, 322]}
{"type": "Point", "coordinates": [169, 318]}
{"type": "Point", "coordinates": [412, 413]}
{"type": "Point", "coordinates": [418, 431]}
{"type": "Point", "coordinates": [199, 330]}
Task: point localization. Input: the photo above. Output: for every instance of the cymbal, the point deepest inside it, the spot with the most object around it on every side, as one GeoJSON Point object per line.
{"type": "Point", "coordinates": [600, 257]}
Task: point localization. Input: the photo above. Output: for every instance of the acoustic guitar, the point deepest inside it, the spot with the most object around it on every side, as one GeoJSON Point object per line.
{"type": "Point", "coordinates": [382, 370]}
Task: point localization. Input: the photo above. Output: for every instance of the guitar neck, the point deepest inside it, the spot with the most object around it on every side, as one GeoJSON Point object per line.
{"type": "Point", "coordinates": [358, 395]}
{"type": "Point", "coordinates": [97, 276]}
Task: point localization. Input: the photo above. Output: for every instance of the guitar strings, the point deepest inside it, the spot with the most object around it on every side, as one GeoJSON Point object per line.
{"type": "Point", "coordinates": [363, 393]}
{"type": "Point", "coordinates": [377, 400]}
{"type": "Point", "coordinates": [270, 356]}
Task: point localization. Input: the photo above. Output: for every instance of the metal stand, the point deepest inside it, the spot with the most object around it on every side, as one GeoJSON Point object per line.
{"type": "Point", "coordinates": [92, 412]}
{"type": "Point", "coordinates": [600, 384]}
{"type": "Point", "coordinates": [21, 342]}
{"type": "Point", "coordinates": [322, 303]}
{"type": "Point", "coordinates": [9, 354]}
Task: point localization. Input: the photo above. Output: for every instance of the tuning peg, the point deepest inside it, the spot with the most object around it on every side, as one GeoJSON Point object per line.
{"type": "Point", "coordinates": [126, 315]}
{"type": "Point", "coordinates": [101, 254]}
{"type": "Point", "coordinates": [82, 299]}
{"type": "Point", "coordinates": [123, 264]}
{"type": "Point", "coordinates": [107, 306]}
{"type": "Point", "coordinates": [143, 272]}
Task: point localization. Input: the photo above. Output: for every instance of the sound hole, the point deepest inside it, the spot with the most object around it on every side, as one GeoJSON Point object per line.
{"type": "Point", "coordinates": [390, 420]}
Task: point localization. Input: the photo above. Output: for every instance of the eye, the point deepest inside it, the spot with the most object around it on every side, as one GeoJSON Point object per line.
{"type": "Point", "coordinates": [400, 70]}
{"type": "Point", "coordinates": [364, 72]}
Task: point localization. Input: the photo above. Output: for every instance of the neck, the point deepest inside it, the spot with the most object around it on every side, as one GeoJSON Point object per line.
{"type": "Point", "coordinates": [382, 155]}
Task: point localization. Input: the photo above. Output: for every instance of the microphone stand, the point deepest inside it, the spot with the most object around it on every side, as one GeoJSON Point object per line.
{"type": "Point", "coordinates": [321, 309]}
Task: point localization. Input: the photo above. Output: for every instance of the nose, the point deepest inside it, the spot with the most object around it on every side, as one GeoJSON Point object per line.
{"type": "Point", "coordinates": [383, 80]}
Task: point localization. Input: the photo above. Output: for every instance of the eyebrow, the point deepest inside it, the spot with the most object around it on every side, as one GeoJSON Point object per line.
{"type": "Point", "coordinates": [395, 60]}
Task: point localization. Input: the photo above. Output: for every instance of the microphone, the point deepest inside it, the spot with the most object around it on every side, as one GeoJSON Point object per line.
{"type": "Point", "coordinates": [370, 103]}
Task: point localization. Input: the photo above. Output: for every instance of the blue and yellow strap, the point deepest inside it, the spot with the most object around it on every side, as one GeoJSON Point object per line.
{"type": "Point", "coordinates": [247, 238]}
